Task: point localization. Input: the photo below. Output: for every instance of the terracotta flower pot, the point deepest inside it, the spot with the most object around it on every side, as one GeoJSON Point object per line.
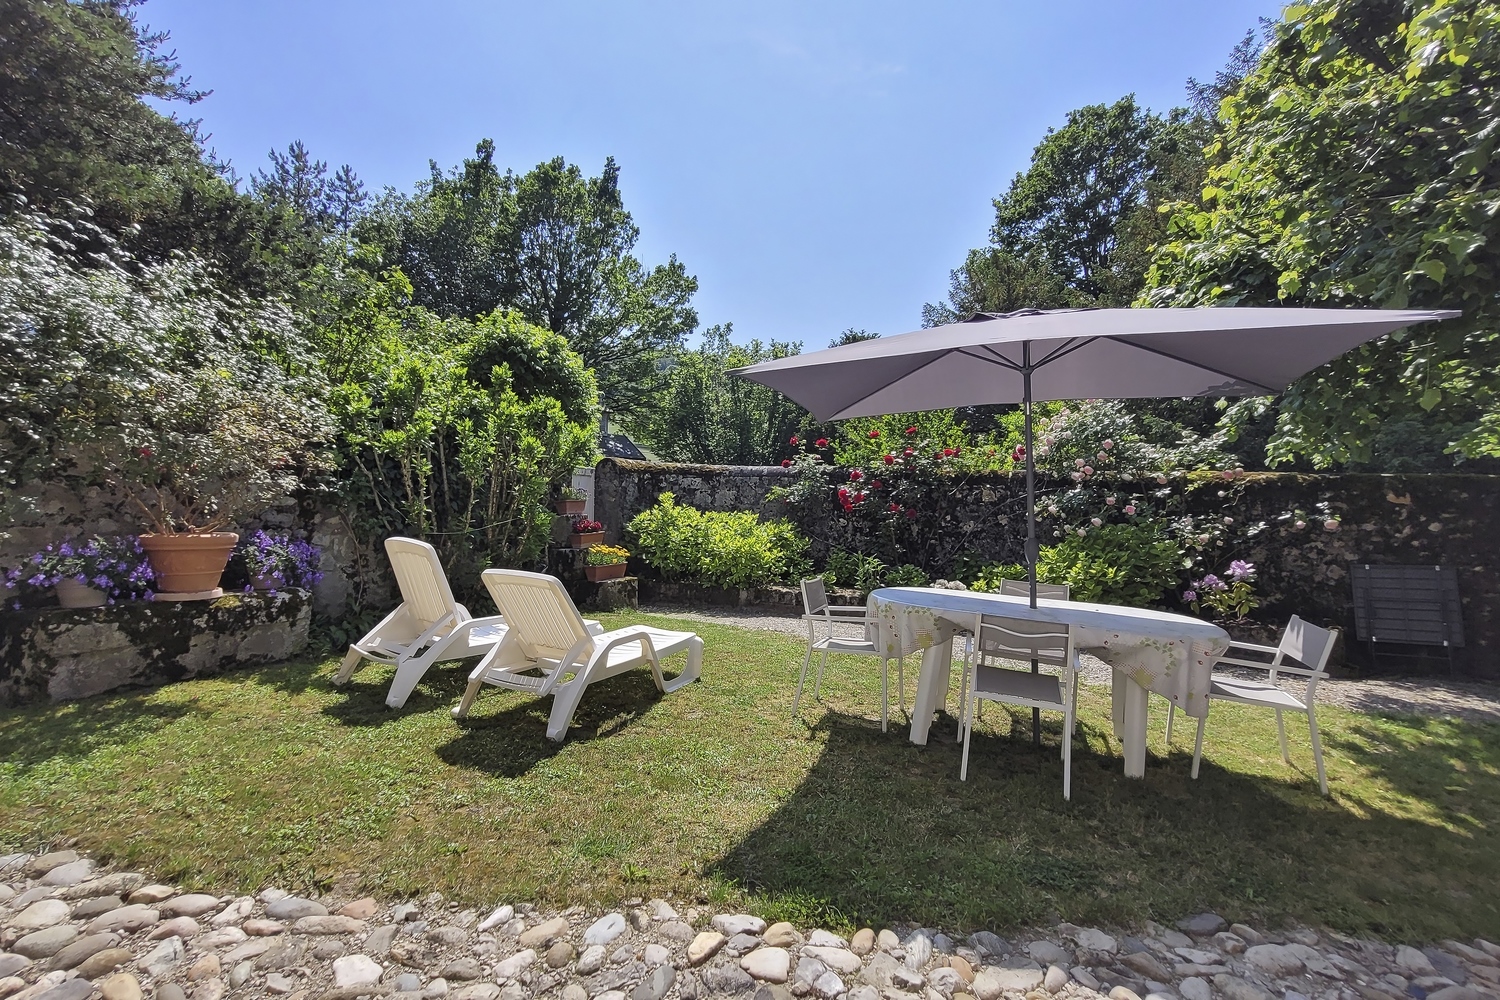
{"type": "Point", "coordinates": [259, 582]}
{"type": "Point", "coordinates": [577, 541]}
{"type": "Point", "coordinates": [610, 572]}
{"type": "Point", "coordinates": [72, 594]}
{"type": "Point", "coordinates": [571, 508]}
{"type": "Point", "coordinates": [188, 563]}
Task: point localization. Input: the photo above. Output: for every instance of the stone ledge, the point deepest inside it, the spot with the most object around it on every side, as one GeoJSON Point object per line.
{"type": "Point", "coordinates": [63, 654]}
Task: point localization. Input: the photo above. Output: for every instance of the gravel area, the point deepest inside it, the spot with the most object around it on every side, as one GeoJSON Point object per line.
{"type": "Point", "coordinates": [1469, 700]}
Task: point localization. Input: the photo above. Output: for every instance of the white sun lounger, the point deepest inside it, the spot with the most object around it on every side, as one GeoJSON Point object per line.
{"type": "Point", "coordinates": [428, 627]}
{"type": "Point", "coordinates": [549, 650]}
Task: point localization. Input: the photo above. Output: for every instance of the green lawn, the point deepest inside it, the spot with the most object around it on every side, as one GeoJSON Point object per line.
{"type": "Point", "coordinates": [273, 777]}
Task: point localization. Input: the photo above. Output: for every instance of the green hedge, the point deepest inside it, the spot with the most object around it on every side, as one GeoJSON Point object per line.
{"type": "Point", "coordinates": [717, 548]}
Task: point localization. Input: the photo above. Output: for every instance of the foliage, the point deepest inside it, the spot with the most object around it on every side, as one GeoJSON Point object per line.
{"type": "Point", "coordinates": [1356, 166]}
{"type": "Point", "coordinates": [283, 559]}
{"type": "Point", "coordinates": [197, 402]}
{"type": "Point", "coordinates": [1098, 437]}
{"type": "Point", "coordinates": [907, 575]}
{"type": "Point", "coordinates": [116, 566]}
{"type": "Point", "coordinates": [717, 548]}
{"type": "Point", "coordinates": [1232, 596]}
{"type": "Point", "coordinates": [703, 414]}
{"type": "Point", "coordinates": [605, 555]}
{"type": "Point", "coordinates": [1076, 228]}
{"type": "Point", "coordinates": [551, 244]}
{"type": "Point", "coordinates": [571, 493]}
{"type": "Point", "coordinates": [987, 579]}
{"type": "Point", "coordinates": [1130, 564]}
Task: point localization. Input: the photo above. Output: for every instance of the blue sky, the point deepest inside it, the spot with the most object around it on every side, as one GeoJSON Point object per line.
{"type": "Point", "coordinates": [817, 165]}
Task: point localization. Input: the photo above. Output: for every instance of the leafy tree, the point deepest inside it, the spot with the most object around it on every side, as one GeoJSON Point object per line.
{"type": "Point", "coordinates": [1356, 166]}
{"type": "Point", "coordinates": [703, 414]}
{"type": "Point", "coordinates": [552, 244]}
{"type": "Point", "coordinates": [1077, 227]}
{"type": "Point", "coordinates": [852, 336]}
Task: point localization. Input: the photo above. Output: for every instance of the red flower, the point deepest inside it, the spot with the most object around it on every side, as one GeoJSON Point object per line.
{"type": "Point", "coordinates": [911, 430]}
{"type": "Point", "coordinates": [894, 508]}
{"type": "Point", "coordinates": [843, 492]}
{"type": "Point", "coordinates": [859, 498]}
{"type": "Point", "coordinates": [909, 452]}
{"type": "Point", "coordinates": [1019, 455]}
{"type": "Point", "coordinates": [949, 453]}
{"type": "Point", "coordinates": [144, 452]}
{"type": "Point", "coordinates": [794, 440]}
{"type": "Point", "coordinates": [874, 435]}
{"type": "Point", "coordinates": [889, 458]}
{"type": "Point", "coordinates": [877, 484]}
{"type": "Point", "coordinates": [821, 442]}
{"type": "Point", "coordinates": [911, 514]}
{"type": "Point", "coordinates": [786, 463]}
{"type": "Point", "coordinates": [856, 475]}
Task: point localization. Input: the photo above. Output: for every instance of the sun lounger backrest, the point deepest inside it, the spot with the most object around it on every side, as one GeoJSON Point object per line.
{"type": "Point", "coordinates": [419, 575]}
{"type": "Point", "coordinates": [539, 612]}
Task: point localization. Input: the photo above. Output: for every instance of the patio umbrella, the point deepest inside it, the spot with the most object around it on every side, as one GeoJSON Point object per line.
{"type": "Point", "coordinates": [1031, 355]}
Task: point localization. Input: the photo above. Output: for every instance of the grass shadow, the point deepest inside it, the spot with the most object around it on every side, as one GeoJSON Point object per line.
{"type": "Point", "coordinates": [36, 736]}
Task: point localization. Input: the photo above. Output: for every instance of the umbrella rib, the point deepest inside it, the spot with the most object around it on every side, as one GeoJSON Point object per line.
{"type": "Point", "coordinates": [1067, 348]}
{"type": "Point", "coordinates": [1196, 364]}
{"type": "Point", "coordinates": [996, 359]}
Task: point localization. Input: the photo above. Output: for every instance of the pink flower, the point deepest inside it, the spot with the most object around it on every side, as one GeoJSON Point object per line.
{"type": "Point", "coordinates": [1161, 479]}
{"type": "Point", "coordinates": [1088, 470]}
{"type": "Point", "coordinates": [1109, 501]}
{"type": "Point", "coordinates": [1101, 456]}
{"type": "Point", "coordinates": [1299, 525]}
{"type": "Point", "coordinates": [1130, 508]}
{"type": "Point", "coordinates": [1082, 532]}
{"type": "Point", "coordinates": [1228, 520]}
{"type": "Point", "coordinates": [1096, 522]}
{"type": "Point", "coordinates": [1077, 477]}
{"type": "Point", "coordinates": [1108, 444]}
{"type": "Point", "coordinates": [1330, 525]}
{"type": "Point", "coordinates": [1078, 462]}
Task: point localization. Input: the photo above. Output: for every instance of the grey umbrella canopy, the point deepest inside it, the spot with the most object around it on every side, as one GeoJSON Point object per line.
{"type": "Point", "coordinates": [1077, 354]}
{"type": "Point", "coordinates": [1034, 354]}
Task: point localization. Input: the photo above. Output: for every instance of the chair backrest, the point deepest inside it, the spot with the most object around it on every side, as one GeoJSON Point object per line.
{"type": "Point", "coordinates": [1024, 639]}
{"type": "Point", "coordinates": [1022, 588]}
{"type": "Point", "coordinates": [540, 614]}
{"type": "Point", "coordinates": [814, 596]}
{"type": "Point", "coordinates": [420, 577]}
{"type": "Point", "coordinates": [1307, 644]}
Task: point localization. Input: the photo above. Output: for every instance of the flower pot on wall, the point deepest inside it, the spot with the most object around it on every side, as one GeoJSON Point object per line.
{"type": "Point", "coordinates": [72, 594]}
{"type": "Point", "coordinates": [262, 582]}
{"type": "Point", "coordinates": [577, 541]}
{"type": "Point", "coordinates": [610, 572]}
{"type": "Point", "coordinates": [189, 563]}
{"type": "Point", "coordinates": [571, 508]}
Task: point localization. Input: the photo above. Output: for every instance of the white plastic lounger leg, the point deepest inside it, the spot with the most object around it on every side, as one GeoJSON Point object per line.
{"type": "Point", "coordinates": [1317, 745]}
{"type": "Point", "coordinates": [1198, 744]}
{"type": "Point", "coordinates": [691, 672]}
{"type": "Point", "coordinates": [476, 682]}
{"type": "Point", "coordinates": [408, 674]}
{"type": "Point", "coordinates": [352, 660]}
{"type": "Point", "coordinates": [564, 703]}
{"type": "Point", "coordinates": [802, 679]}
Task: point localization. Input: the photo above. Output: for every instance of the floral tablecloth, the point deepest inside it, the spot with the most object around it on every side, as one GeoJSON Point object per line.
{"type": "Point", "coordinates": [1172, 655]}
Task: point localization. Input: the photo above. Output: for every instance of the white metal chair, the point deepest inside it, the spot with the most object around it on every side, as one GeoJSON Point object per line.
{"type": "Point", "coordinates": [1307, 645]}
{"type": "Point", "coordinates": [1022, 639]}
{"type": "Point", "coordinates": [1044, 591]}
{"type": "Point", "coordinates": [429, 626]}
{"type": "Point", "coordinates": [1022, 588]}
{"type": "Point", "coordinates": [549, 648]}
{"type": "Point", "coordinates": [816, 609]}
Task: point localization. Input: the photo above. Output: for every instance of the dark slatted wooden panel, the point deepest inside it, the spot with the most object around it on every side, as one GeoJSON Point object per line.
{"type": "Point", "coordinates": [1417, 605]}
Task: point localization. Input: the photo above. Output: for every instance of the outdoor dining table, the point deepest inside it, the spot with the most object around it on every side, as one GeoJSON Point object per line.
{"type": "Point", "coordinates": [1151, 651]}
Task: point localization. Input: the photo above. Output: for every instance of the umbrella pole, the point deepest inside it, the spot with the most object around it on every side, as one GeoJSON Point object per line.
{"type": "Point", "coordinates": [1031, 545]}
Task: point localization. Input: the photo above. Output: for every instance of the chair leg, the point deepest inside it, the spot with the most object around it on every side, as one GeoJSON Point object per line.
{"type": "Point", "coordinates": [966, 727]}
{"type": "Point", "coordinates": [1198, 745]}
{"type": "Point", "coordinates": [802, 679]}
{"type": "Point", "coordinates": [1317, 745]}
{"type": "Point", "coordinates": [1171, 711]}
{"type": "Point", "coordinates": [964, 693]}
{"type": "Point", "coordinates": [352, 660]}
{"type": "Point", "coordinates": [1072, 713]}
{"type": "Point", "coordinates": [885, 695]}
{"type": "Point", "coordinates": [1281, 732]}
{"type": "Point", "coordinates": [818, 684]}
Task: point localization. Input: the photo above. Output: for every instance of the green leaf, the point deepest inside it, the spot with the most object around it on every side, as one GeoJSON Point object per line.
{"type": "Point", "coordinates": [1432, 397]}
{"type": "Point", "coordinates": [1432, 267]}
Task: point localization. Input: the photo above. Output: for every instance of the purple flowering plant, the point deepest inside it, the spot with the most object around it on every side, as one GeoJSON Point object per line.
{"type": "Point", "coordinates": [283, 560]}
{"type": "Point", "coordinates": [117, 566]}
{"type": "Point", "coordinates": [1232, 596]}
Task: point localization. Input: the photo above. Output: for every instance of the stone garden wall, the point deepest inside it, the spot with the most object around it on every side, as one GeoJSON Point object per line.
{"type": "Point", "coordinates": [1418, 520]}
{"type": "Point", "coordinates": [62, 654]}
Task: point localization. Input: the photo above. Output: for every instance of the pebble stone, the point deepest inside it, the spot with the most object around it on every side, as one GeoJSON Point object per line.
{"type": "Point", "coordinates": [83, 940]}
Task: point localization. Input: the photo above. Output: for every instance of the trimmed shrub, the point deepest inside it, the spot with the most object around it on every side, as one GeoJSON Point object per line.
{"type": "Point", "coordinates": [717, 548]}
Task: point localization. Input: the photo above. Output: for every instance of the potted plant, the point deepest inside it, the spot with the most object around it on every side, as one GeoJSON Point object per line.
{"type": "Point", "coordinates": [585, 533]}
{"type": "Point", "coordinates": [276, 562]}
{"type": "Point", "coordinates": [604, 562]}
{"type": "Point", "coordinates": [570, 501]}
{"type": "Point", "coordinates": [204, 447]}
{"type": "Point", "coordinates": [86, 574]}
